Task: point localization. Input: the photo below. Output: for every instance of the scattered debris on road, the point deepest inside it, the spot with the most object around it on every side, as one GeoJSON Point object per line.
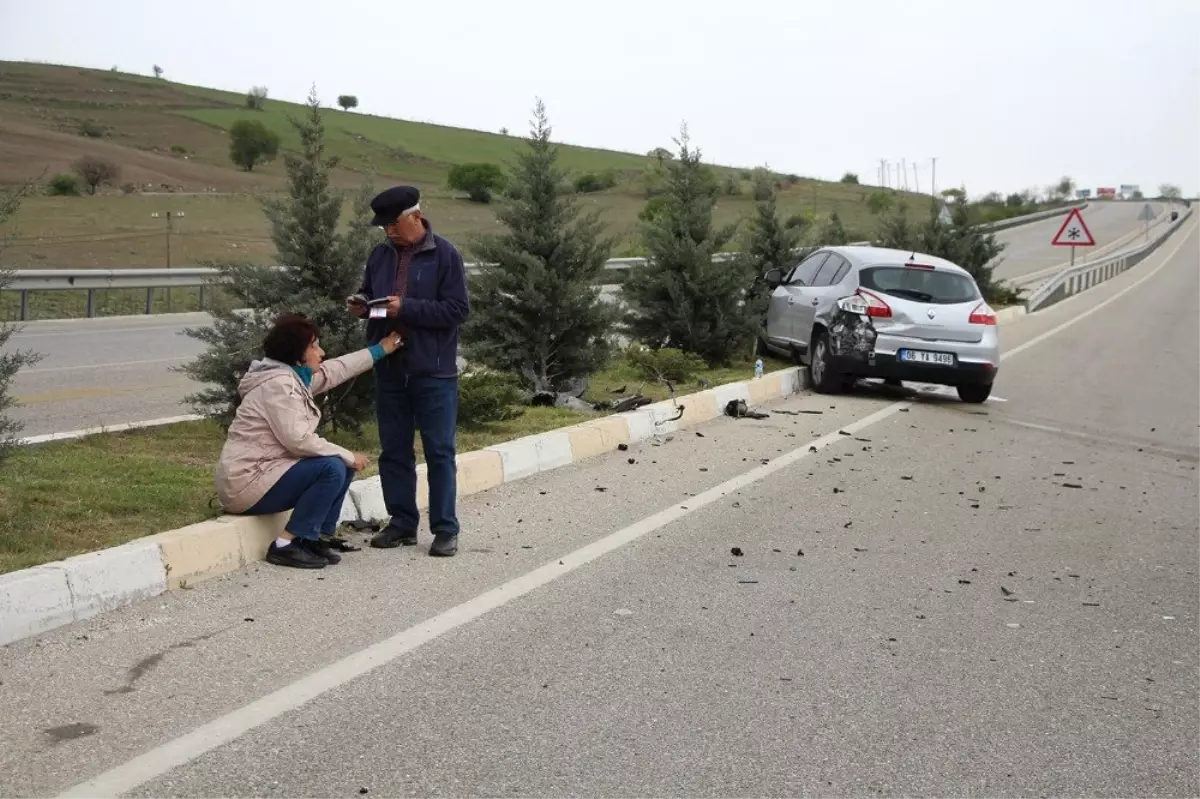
{"type": "Point", "coordinates": [738, 409]}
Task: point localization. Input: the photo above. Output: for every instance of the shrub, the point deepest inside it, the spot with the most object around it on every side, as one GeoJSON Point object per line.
{"type": "Point", "coordinates": [91, 130]}
{"type": "Point", "coordinates": [591, 181]}
{"type": "Point", "coordinates": [63, 185]}
{"type": "Point", "coordinates": [485, 397]}
{"type": "Point", "coordinates": [850, 177]}
{"type": "Point", "coordinates": [798, 221]}
{"type": "Point", "coordinates": [178, 149]}
{"type": "Point", "coordinates": [663, 364]}
{"type": "Point", "coordinates": [347, 101]}
{"type": "Point", "coordinates": [478, 180]}
{"type": "Point", "coordinates": [129, 188]}
{"type": "Point", "coordinates": [731, 187]}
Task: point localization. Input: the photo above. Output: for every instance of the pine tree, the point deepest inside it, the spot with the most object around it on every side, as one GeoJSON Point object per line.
{"type": "Point", "coordinates": [681, 298]}
{"type": "Point", "coordinates": [833, 232]}
{"type": "Point", "coordinates": [542, 316]}
{"type": "Point", "coordinates": [772, 245]}
{"type": "Point", "coordinates": [10, 361]}
{"type": "Point", "coordinates": [323, 266]}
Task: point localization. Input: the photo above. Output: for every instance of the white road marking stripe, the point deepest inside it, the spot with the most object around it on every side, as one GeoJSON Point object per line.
{"type": "Point", "coordinates": [115, 365]}
{"type": "Point", "coordinates": [112, 428]}
{"type": "Point", "coordinates": [231, 726]}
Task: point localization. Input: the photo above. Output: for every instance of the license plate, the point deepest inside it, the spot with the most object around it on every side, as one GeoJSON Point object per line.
{"type": "Point", "coordinates": [921, 356]}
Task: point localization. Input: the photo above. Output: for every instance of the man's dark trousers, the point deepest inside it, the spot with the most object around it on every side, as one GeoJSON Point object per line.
{"type": "Point", "coordinates": [406, 403]}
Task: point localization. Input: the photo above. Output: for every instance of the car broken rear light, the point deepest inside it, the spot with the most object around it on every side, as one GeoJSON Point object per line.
{"type": "Point", "coordinates": [982, 315]}
{"type": "Point", "coordinates": [875, 306]}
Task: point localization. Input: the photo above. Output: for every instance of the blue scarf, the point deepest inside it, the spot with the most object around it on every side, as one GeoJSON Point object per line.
{"type": "Point", "coordinates": [305, 373]}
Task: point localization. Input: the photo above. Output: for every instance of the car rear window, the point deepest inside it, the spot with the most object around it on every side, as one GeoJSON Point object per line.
{"type": "Point", "coordinates": [922, 285]}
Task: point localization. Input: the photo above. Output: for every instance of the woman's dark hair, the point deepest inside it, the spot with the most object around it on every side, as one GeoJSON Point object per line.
{"type": "Point", "coordinates": [289, 337]}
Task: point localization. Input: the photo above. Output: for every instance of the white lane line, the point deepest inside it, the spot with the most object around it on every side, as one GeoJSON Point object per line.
{"type": "Point", "coordinates": [115, 365]}
{"type": "Point", "coordinates": [237, 723]}
{"type": "Point", "coordinates": [1101, 306]}
{"type": "Point", "coordinates": [46, 438]}
{"type": "Point", "coordinates": [231, 726]}
{"type": "Point", "coordinates": [104, 331]}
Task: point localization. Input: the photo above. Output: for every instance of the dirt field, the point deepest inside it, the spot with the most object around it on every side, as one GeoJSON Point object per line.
{"type": "Point", "coordinates": [170, 142]}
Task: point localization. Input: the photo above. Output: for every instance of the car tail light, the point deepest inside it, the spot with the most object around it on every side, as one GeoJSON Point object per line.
{"type": "Point", "coordinates": [982, 315]}
{"type": "Point", "coordinates": [912, 265]}
{"type": "Point", "coordinates": [875, 306]}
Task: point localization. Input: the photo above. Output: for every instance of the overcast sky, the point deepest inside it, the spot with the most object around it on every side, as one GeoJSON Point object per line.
{"type": "Point", "coordinates": [1006, 94]}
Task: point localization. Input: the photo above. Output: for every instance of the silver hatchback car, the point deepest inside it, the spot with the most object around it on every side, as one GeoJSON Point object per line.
{"type": "Point", "coordinates": [855, 312]}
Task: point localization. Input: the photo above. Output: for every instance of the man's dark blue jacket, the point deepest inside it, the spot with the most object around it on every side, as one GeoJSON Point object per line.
{"type": "Point", "coordinates": [434, 307]}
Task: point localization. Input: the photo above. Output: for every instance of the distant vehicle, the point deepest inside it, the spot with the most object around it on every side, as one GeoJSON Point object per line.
{"type": "Point", "coordinates": [870, 312]}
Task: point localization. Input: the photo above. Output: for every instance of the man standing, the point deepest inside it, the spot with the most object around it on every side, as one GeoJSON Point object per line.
{"type": "Point", "coordinates": [422, 277]}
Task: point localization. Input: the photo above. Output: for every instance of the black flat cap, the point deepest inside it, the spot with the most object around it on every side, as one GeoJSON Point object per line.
{"type": "Point", "coordinates": [390, 203]}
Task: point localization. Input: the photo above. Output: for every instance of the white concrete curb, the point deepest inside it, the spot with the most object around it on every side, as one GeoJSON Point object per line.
{"type": "Point", "coordinates": [42, 598]}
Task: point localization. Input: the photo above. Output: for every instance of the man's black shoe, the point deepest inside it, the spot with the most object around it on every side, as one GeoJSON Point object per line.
{"type": "Point", "coordinates": [445, 545]}
{"type": "Point", "coordinates": [322, 550]}
{"type": "Point", "coordinates": [294, 555]}
{"type": "Point", "coordinates": [393, 537]}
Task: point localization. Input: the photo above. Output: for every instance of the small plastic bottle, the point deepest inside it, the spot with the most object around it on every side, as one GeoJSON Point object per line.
{"type": "Point", "coordinates": [758, 369]}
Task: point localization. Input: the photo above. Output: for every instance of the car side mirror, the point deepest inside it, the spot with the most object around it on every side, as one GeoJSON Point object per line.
{"type": "Point", "coordinates": [773, 277]}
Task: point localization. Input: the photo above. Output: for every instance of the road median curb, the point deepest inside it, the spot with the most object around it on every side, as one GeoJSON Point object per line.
{"type": "Point", "coordinates": [41, 598]}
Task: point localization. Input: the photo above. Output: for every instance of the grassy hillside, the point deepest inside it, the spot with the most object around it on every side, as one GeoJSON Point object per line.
{"type": "Point", "coordinates": [171, 143]}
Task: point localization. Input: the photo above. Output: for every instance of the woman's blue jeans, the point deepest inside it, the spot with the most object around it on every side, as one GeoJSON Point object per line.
{"type": "Point", "coordinates": [314, 490]}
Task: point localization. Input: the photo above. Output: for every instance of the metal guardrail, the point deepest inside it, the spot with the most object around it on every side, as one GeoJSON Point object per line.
{"type": "Point", "coordinates": [25, 281]}
{"type": "Point", "coordinates": [1005, 224]}
{"type": "Point", "coordinates": [1076, 279]}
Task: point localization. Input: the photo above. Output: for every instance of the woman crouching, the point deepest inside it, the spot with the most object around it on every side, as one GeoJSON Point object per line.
{"type": "Point", "coordinates": [273, 460]}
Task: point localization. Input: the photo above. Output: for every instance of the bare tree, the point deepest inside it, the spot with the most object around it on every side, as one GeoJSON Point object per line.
{"type": "Point", "coordinates": [1169, 191]}
{"type": "Point", "coordinates": [256, 98]}
{"type": "Point", "coordinates": [95, 172]}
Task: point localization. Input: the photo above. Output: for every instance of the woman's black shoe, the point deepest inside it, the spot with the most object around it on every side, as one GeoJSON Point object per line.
{"type": "Point", "coordinates": [294, 555]}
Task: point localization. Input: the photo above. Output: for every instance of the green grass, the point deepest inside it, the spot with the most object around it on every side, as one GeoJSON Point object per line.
{"type": "Point", "coordinates": [67, 498]}
{"type": "Point", "coordinates": [163, 133]}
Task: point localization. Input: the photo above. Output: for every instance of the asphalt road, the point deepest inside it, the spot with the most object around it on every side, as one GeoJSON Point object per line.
{"type": "Point", "coordinates": [113, 371]}
{"type": "Point", "coordinates": [1029, 251]}
{"type": "Point", "coordinates": [991, 601]}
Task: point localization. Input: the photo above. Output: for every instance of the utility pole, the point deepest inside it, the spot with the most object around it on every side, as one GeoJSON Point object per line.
{"type": "Point", "coordinates": [883, 172]}
{"type": "Point", "coordinates": [904, 171]}
{"type": "Point", "coordinates": [916, 180]}
{"type": "Point", "coordinates": [171, 216]}
{"type": "Point", "coordinates": [933, 180]}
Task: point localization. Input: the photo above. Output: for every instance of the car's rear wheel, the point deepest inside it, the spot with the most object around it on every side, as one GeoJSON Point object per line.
{"type": "Point", "coordinates": [975, 392]}
{"type": "Point", "coordinates": [825, 378]}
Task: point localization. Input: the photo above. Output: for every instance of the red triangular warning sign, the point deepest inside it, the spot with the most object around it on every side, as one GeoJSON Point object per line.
{"type": "Point", "coordinates": [1074, 232]}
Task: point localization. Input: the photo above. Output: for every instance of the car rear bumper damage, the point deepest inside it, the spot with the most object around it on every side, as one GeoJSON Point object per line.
{"type": "Point", "coordinates": [974, 363]}
{"type": "Point", "coordinates": [886, 366]}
